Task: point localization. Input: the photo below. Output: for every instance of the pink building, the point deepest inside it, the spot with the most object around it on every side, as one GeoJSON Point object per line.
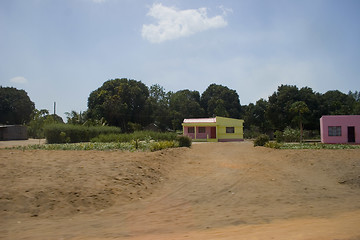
{"type": "Point", "coordinates": [340, 129]}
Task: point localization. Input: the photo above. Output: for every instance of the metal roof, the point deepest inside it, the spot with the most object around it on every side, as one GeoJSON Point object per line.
{"type": "Point", "coordinates": [200, 120]}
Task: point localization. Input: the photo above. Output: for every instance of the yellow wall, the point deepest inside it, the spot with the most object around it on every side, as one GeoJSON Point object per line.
{"type": "Point", "coordinates": [222, 123]}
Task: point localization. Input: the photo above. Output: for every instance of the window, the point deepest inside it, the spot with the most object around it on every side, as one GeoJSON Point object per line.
{"type": "Point", "coordinates": [191, 130]}
{"type": "Point", "coordinates": [201, 129]}
{"type": "Point", "coordinates": [334, 131]}
{"type": "Point", "coordinates": [230, 130]}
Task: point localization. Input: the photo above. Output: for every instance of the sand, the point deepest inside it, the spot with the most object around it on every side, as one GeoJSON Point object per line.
{"type": "Point", "coordinates": [211, 191]}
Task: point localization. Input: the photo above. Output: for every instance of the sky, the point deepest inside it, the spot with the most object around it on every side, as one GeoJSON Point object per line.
{"type": "Point", "coordinates": [62, 50]}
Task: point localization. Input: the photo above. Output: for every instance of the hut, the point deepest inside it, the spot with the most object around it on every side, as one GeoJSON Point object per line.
{"type": "Point", "coordinates": [13, 132]}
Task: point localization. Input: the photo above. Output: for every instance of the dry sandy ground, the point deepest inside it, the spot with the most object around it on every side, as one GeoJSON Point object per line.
{"type": "Point", "coordinates": [31, 141]}
{"type": "Point", "coordinates": [211, 191]}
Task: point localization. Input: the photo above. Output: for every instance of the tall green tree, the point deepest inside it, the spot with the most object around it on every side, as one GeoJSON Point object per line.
{"type": "Point", "coordinates": [119, 101]}
{"type": "Point", "coordinates": [299, 108]}
{"type": "Point", "coordinates": [184, 104]}
{"type": "Point", "coordinates": [74, 117]}
{"type": "Point", "coordinates": [279, 111]}
{"type": "Point", "coordinates": [279, 105]}
{"type": "Point", "coordinates": [356, 107]}
{"type": "Point", "coordinates": [255, 116]}
{"type": "Point", "coordinates": [15, 106]}
{"type": "Point", "coordinates": [335, 102]}
{"type": "Point", "coordinates": [159, 104]}
{"type": "Point", "coordinates": [39, 119]}
{"type": "Point", "coordinates": [218, 100]}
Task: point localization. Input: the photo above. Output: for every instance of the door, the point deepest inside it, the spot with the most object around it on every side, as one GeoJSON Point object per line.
{"type": "Point", "coordinates": [351, 134]}
{"type": "Point", "coordinates": [213, 132]}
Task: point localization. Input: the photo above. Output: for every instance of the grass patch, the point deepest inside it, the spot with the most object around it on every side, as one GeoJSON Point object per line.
{"type": "Point", "coordinates": [311, 146]}
{"type": "Point", "coordinates": [135, 136]}
{"type": "Point", "coordinates": [79, 146]}
{"type": "Point", "coordinates": [121, 146]}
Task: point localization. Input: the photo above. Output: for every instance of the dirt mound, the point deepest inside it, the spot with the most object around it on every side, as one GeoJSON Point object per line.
{"type": "Point", "coordinates": [59, 183]}
{"type": "Point", "coordinates": [211, 191]}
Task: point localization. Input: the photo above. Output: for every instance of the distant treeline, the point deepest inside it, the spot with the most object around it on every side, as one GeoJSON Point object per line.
{"type": "Point", "coordinates": [131, 105]}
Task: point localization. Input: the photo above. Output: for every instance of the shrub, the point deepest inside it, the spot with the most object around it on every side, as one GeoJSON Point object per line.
{"type": "Point", "coordinates": [279, 136]}
{"type": "Point", "coordinates": [291, 135]}
{"type": "Point", "coordinates": [68, 133]}
{"type": "Point", "coordinates": [253, 132]}
{"type": "Point", "coordinates": [275, 145]}
{"type": "Point", "coordinates": [261, 140]}
{"type": "Point", "coordinates": [140, 136]}
{"type": "Point", "coordinates": [156, 146]}
{"type": "Point", "coordinates": [184, 141]}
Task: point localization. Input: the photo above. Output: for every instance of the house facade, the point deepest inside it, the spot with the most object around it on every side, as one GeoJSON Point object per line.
{"type": "Point", "coordinates": [217, 129]}
{"type": "Point", "coordinates": [340, 129]}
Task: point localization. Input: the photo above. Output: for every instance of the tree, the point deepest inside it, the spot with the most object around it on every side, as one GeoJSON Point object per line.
{"type": "Point", "coordinates": [159, 106]}
{"type": "Point", "coordinates": [119, 101]}
{"type": "Point", "coordinates": [74, 117]}
{"type": "Point", "coordinates": [185, 104]}
{"type": "Point", "coordinates": [255, 116]}
{"type": "Point", "coordinates": [15, 106]}
{"type": "Point", "coordinates": [337, 103]}
{"type": "Point", "coordinates": [299, 108]}
{"type": "Point", "coordinates": [279, 105]}
{"type": "Point", "coordinates": [280, 102]}
{"type": "Point", "coordinates": [218, 100]}
{"type": "Point", "coordinates": [39, 119]}
{"type": "Point", "coordinates": [356, 107]}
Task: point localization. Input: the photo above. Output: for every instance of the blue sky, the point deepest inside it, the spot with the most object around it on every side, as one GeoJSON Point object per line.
{"type": "Point", "coordinates": [62, 50]}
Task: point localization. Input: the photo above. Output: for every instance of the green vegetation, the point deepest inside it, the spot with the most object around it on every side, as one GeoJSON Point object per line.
{"type": "Point", "coordinates": [76, 137]}
{"type": "Point", "coordinates": [139, 135]}
{"type": "Point", "coordinates": [138, 141]}
{"type": "Point", "coordinates": [310, 146]}
{"type": "Point", "coordinates": [15, 106]}
{"type": "Point", "coordinates": [156, 146]}
{"type": "Point", "coordinates": [68, 133]}
{"type": "Point", "coordinates": [184, 141]}
{"type": "Point", "coordinates": [128, 146]}
{"type": "Point", "coordinates": [261, 140]}
{"type": "Point", "coordinates": [289, 114]}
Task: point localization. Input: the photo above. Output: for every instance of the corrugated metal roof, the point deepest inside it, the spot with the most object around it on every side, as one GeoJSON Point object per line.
{"type": "Point", "coordinates": [200, 120]}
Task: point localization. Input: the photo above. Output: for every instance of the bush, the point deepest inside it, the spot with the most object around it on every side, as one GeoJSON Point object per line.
{"type": "Point", "coordinates": [253, 132]}
{"type": "Point", "coordinates": [291, 135]}
{"type": "Point", "coordinates": [184, 141]}
{"type": "Point", "coordinates": [275, 145]}
{"type": "Point", "coordinates": [261, 140]}
{"type": "Point", "coordinates": [68, 133]}
{"type": "Point", "coordinates": [156, 146]}
{"type": "Point", "coordinates": [140, 136]}
{"type": "Point", "coordinates": [279, 136]}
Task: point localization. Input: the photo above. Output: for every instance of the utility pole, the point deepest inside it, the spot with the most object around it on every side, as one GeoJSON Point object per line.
{"type": "Point", "coordinates": [54, 108]}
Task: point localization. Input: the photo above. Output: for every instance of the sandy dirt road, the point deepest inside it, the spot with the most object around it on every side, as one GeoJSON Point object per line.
{"type": "Point", "coordinates": [211, 191]}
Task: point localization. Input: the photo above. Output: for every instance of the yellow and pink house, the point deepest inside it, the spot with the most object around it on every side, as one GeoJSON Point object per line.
{"type": "Point", "coordinates": [217, 129]}
{"type": "Point", "coordinates": [340, 129]}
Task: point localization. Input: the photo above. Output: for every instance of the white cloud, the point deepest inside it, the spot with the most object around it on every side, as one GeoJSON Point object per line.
{"type": "Point", "coordinates": [173, 23]}
{"type": "Point", "coordinates": [19, 79]}
{"type": "Point", "coordinates": [98, 1]}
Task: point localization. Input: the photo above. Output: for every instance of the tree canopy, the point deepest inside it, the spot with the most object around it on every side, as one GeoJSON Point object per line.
{"type": "Point", "coordinates": [185, 104]}
{"type": "Point", "coordinates": [119, 101]}
{"type": "Point", "coordinates": [15, 106]}
{"type": "Point", "coordinates": [131, 105]}
{"type": "Point", "coordinates": [218, 100]}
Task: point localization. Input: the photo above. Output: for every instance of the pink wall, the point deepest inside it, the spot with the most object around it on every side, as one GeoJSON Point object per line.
{"type": "Point", "coordinates": [198, 135]}
{"type": "Point", "coordinates": [344, 121]}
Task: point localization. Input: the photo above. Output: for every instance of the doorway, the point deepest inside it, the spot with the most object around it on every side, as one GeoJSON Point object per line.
{"type": "Point", "coordinates": [351, 134]}
{"type": "Point", "coordinates": [213, 132]}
